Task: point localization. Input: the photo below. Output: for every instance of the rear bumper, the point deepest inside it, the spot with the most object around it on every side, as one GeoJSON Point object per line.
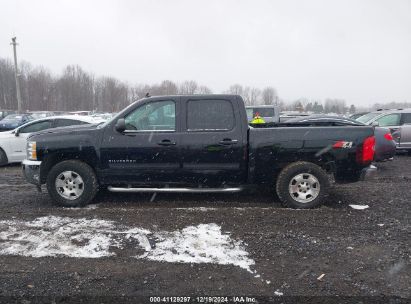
{"type": "Point", "coordinates": [31, 171]}
{"type": "Point", "coordinates": [368, 173]}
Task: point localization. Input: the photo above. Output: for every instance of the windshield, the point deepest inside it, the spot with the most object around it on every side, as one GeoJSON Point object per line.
{"type": "Point", "coordinates": [367, 117]}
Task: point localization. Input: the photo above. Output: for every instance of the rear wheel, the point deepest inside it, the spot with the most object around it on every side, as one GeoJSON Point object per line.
{"type": "Point", "coordinates": [302, 185]}
{"type": "Point", "coordinates": [3, 158]}
{"type": "Point", "coordinates": [72, 183]}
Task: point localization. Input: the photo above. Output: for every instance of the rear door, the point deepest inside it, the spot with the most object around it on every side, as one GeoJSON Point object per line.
{"type": "Point", "coordinates": [213, 151]}
{"type": "Point", "coordinates": [405, 132]}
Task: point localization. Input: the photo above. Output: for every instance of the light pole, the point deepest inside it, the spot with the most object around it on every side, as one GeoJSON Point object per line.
{"type": "Point", "coordinates": [16, 74]}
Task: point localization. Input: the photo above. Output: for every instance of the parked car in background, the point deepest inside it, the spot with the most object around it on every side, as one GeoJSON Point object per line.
{"type": "Point", "coordinates": [4, 113]}
{"type": "Point", "coordinates": [392, 119]}
{"type": "Point", "coordinates": [402, 138]}
{"type": "Point", "coordinates": [83, 113]}
{"type": "Point", "coordinates": [284, 116]}
{"type": "Point", "coordinates": [40, 114]}
{"type": "Point", "coordinates": [384, 143]}
{"type": "Point", "coordinates": [13, 121]}
{"type": "Point", "coordinates": [13, 143]}
{"type": "Point", "coordinates": [357, 115]}
{"type": "Point", "coordinates": [102, 116]}
{"type": "Point", "coordinates": [270, 113]}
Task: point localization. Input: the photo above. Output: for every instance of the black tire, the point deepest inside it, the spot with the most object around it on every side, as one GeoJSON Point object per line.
{"type": "Point", "coordinates": [87, 175]}
{"type": "Point", "coordinates": [303, 170]}
{"type": "Point", "coordinates": [3, 158]}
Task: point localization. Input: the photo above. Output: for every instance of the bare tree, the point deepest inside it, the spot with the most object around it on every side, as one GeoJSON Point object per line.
{"type": "Point", "coordinates": [255, 96]}
{"type": "Point", "coordinates": [236, 89]}
{"type": "Point", "coordinates": [167, 87]}
{"type": "Point", "coordinates": [269, 95]}
{"type": "Point", "coordinates": [335, 106]}
{"type": "Point", "coordinates": [204, 90]}
{"type": "Point", "coordinates": [188, 87]}
{"type": "Point", "coordinates": [7, 85]}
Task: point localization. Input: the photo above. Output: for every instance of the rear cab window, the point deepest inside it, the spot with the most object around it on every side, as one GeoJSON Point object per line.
{"type": "Point", "coordinates": [210, 115]}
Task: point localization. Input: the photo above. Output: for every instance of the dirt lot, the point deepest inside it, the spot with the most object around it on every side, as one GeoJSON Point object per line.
{"type": "Point", "coordinates": [269, 250]}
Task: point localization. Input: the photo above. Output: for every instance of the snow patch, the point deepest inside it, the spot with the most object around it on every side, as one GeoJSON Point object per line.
{"type": "Point", "coordinates": [359, 207]}
{"type": "Point", "coordinates": [199, 244]}
{"type": "Point", "coordinates": [96, 238]}
{"type": "Point", "coordinates": [204, 209]}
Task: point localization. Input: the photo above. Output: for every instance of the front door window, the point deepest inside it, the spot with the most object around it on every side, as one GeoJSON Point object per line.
{"type": "Point", "coordinates": [154, 116]}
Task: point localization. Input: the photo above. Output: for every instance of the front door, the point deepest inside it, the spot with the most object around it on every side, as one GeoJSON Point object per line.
{"type": "Point", "coordinates": [148, 151]}
{"type": "Point", "coordinates": [214, 151]}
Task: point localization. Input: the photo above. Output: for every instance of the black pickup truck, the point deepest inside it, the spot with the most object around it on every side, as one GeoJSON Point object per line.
{"type": "Point", "coordinates": [196, 144]}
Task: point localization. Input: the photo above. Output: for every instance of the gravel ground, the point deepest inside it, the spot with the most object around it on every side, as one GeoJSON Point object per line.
{"type": "Point", "coordinates": [332, 250]}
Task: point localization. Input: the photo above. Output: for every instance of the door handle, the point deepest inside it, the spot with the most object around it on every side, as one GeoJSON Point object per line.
{"type": "Point", "coordinates": [228, 142]}
{"type": "Point", "coordinates": [166, 142]}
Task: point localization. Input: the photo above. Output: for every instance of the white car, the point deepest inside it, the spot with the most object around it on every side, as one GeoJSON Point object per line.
{"type": "Point", "coordinates": [13, 143]}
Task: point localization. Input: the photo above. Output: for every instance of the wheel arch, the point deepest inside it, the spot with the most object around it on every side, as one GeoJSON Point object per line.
{"type": "Point", "coordinates": [52, 159]}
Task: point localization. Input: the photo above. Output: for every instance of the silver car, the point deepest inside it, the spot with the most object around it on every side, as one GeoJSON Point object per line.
{"type": "Point", "coordinates": [402, 138]}
{"type": "Point", "coordinates": [392, 119]}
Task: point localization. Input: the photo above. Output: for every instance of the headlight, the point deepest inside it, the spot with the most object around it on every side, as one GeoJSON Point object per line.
{"type": "Point", "coordinates": [31, 150]}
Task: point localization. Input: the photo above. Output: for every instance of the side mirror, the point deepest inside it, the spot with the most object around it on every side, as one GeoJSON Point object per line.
{"type": "Point", "coordinates": [375, 124]}
{"type": "Point", "coordinates": [17, 133]}
{"type": "Point", "coordinates": [120, 125]}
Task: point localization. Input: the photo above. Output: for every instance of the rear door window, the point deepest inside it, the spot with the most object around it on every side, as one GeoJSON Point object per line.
{"type": "Point", "coordinates": [389, 120]}
{"type": "Point", "coordinates": [210, 115]}
{"type": "Point", "coordinates": [406, 118]}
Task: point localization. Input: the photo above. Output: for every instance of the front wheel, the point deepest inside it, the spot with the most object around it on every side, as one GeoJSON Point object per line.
{"type": "Point", "coordinates": [72, 183]}
{"type": "Point", "coordinates": [302, 185]}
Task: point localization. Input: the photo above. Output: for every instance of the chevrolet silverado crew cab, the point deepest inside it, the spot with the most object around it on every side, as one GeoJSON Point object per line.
{"type": "Point", "coordinates": [197, 144]}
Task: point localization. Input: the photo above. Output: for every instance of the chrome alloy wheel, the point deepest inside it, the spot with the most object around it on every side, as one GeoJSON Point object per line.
{"type": "Point", "coordinates": [69, 185]}
{"type": "Point", "coordinates": [304, 188]}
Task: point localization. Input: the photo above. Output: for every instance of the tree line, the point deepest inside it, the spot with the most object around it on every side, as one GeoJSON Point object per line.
{"type": "Point", "coordinates": [76, 89]}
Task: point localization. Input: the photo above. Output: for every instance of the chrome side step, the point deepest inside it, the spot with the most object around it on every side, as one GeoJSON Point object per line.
{"type": "Point", "coordinates": [174, 190]}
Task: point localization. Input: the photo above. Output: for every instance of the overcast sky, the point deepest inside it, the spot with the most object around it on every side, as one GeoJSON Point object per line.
{"type": "Point", "coordinates": [358, 50]}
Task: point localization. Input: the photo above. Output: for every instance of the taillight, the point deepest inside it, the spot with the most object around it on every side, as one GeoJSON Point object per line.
{"type": "Point", "coordinates": [365, 153]}
{"type": "Point", "coordinates": [388, 136]}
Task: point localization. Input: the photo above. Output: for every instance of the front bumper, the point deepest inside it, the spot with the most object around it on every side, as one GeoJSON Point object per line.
{"type": "Point", "coordinates": [31, 171]}
{"type": "Point", "coordinates": [368, 173]}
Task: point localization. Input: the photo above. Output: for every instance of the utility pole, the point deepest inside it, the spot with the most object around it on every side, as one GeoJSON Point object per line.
{"type": "Point", "coordinates": [16, 74]}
